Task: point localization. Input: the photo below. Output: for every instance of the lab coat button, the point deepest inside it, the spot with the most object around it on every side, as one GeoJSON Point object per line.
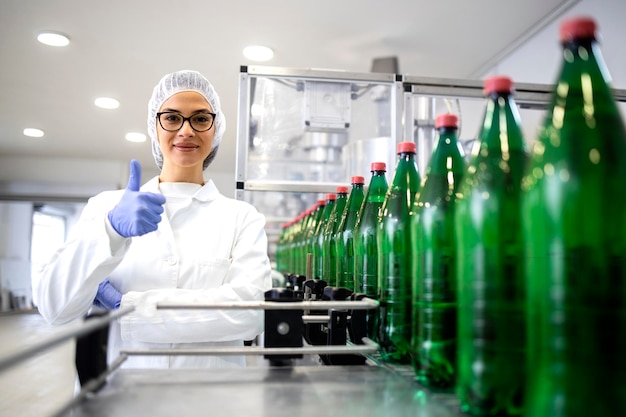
{"type": "Point", "coordinates": [171, 260]}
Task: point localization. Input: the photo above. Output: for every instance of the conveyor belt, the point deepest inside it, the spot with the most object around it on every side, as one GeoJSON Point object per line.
{"type": "Point", "coordinates": [299, 391]}
{"type": "Point", "coordinates": [303, 388]}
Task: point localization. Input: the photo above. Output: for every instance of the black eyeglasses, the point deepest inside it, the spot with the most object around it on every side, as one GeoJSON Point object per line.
{"type": "Point", "coordinates": [172, 121]}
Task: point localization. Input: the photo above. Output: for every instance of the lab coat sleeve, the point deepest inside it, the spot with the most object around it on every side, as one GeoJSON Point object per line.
{"type": "Point", "coordinates": [70, 279]}
{"type": "Point", "coordinates": [248, 277]}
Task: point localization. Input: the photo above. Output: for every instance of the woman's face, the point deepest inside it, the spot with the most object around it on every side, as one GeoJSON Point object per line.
{"type": "Point", "coordinates": [185, 148]}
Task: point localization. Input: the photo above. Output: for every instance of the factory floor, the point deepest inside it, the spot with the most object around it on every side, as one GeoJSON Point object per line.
{"type": "Point", "coordinates": [38, 386]}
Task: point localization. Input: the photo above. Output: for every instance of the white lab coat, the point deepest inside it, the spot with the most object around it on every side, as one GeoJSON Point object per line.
{"type": "Point", "coordinates": [214, 249]}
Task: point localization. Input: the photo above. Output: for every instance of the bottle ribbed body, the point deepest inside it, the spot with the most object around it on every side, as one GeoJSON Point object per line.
{"type": "Point", "coordinates": [308, 238]}
{"type": "Point", "coordinates": [317, 239]}
{"type": "Point", "coordinates": [282, 249]}
{"type": "Point", "coordinates": [394, 259]}
{"type": "Point", "coordinates": [299, 245]}
{"type": "Point", "coordinates": [490, 267]}
{"type": "Point", "coordinates": [329, 265]}
{"type": "Point", "coordinates": [344, 238]}
{"type": "Point", "coordinates": [434, 311]}
{"type": "Point", "coordinates": [365, 245]}
{"type": "Point", "coordinates": [575, 232]}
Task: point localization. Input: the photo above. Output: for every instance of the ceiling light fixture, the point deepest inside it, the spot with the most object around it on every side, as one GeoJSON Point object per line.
{"type": "Point", "coordinates": [135, 137]}
{"type": "Point", "coordinates": [107, 103]}
{"type": "Point", "coordinates": [258, 53]}
{"type": "Point", "coordinates": [53, 38]}
{"type": "Point", "coordinates": [33, 133]}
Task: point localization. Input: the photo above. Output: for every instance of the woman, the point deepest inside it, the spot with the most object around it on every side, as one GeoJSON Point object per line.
{"type": "Point", "coordinates": [175, 239]}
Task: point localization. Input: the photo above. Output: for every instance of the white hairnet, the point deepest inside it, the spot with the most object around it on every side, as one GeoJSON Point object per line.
{"type": "Point", "coordinates": [176, 82]}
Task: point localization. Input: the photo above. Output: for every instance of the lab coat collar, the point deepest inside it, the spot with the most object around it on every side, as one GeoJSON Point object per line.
{"type": "Point", "coordinates": [208, 192]}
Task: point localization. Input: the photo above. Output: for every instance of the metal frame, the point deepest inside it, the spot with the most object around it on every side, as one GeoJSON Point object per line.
{"type": "Point", "coordinates": [243, 183]}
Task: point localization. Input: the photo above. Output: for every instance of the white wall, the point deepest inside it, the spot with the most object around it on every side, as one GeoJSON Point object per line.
{"type": "Point", "coordinates": [538, 60]}
{"type": "Point", "coordinates": [15, 232]}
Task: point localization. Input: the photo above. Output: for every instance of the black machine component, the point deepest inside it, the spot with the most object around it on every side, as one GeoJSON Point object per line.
{"type": "Point", "coordinates": [314, 333]}
{"type": "Point", "coordinates": [339, 323]}
{"type": "Point", "coordinates": [91, 352]}
{"type": "Point", "coordinates": [296, 283]}
{"type": "Point", "coordinates": [283, 328]}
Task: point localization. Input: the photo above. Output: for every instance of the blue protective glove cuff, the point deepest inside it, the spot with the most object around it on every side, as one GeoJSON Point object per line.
{"type": "Point", "coordinates": [137, 213]}
{"type": "Point", "coordinates": [107, 296]}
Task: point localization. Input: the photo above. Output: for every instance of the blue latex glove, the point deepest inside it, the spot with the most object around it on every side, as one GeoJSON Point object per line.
{"type": "Point", "coordinates": [107, 296]}
{"type": "Point", "coordinates": [138, 212]}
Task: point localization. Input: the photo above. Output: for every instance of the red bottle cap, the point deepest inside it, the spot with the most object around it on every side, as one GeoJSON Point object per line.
{"type": "Point", "coordinates": [321, 203]}
{"type": "Point", "coordinates": [404, 147]}
{"type": "Point", "coordinates": [577, 28]}
{"type": "Point", "coordinates": [357, 179]}
{"type": "Point", "coordinates": [342, 189]}
{"type": "Point", "coordinates": [378, 166]}
{"type": "Point", "coordinates": [331, 196]}
{"type": "Point", "coordinates": [498, 84]}
{"type": "Point", "coordinates": [446, 120]}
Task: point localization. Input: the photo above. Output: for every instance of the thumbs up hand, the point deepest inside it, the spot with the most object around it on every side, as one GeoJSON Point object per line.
{"type": "Point", "coordinates": [138, 212]}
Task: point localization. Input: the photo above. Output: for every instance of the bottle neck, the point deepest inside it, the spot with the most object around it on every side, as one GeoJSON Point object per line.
{"type": "Point", "coordinates": [406, 177]}
{"type": "Point", "coordinates": [448, 156]}
{"type": "Point", "coordinates": [406, 156]}
{"type": "Point", "coordinates": [447, 131]}
{"type": "Point", "coordinates": [377, 188]}
{"type": "Point", "coordinates": [583, 56]}
{"type": "Point", "coordinates": [501, 132]}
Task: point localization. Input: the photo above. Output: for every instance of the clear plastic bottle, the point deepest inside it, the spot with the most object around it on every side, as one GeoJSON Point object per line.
{"type": "Point", "coordinates": [490, 264]}
{"type": "Point", "coordinates": [344, 237]}
{"type": "Point", "coordinates": [574, 211]}
{"type": "Point", "coordinates": [434, 255]}
{"type": "Point", "coordinates": [394, 259]}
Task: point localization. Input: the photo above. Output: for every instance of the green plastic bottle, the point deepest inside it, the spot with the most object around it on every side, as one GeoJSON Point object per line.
{"type": "Point", "coordinates": [394, 259]}
{"type": "Point", "coordinates": [344, 237]}
{"type": "Point", "coordinates": [282, 249]}
{"type": "Point", "coordinates": [365, 245]}
{"type": "Point", "coordinates": [490, 263]}
{"type": "Point", "coordinates": [329, 265]}
{"type": "Point", "coordinates": [297, 243]}
{"type": "Point", "coordinates": [307, 238]}
{"type": "Point", "coordinates": [575, 231]}
{"type": "Point", "coordinates": [434, 255]}
{"type": "Point", "coordinates": [317, 239]}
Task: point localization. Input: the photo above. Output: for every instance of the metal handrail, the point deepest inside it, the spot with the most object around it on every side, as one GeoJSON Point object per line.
{"type": "Point", "coordinates": [368, 346]}
{"type": "Point", "coordinates": [86, 327]}
{"type": "Point", "coordinates": [364, 304]}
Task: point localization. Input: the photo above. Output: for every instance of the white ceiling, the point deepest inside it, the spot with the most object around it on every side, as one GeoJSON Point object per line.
{"type": "Point", "coordinates": [121, 48]}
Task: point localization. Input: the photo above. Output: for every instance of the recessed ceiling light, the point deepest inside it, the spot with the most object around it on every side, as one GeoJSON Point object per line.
{"type": "Point", "coordinates": [107, 103]}
{"type": "Point", "coordinates": [135, 137]}
{"type": "Point", "coordinates": [258, 53]}
{"type": "Point", "coordinates": [33, 133]}
{"type": "Point", "coordinates": [53, 39]}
